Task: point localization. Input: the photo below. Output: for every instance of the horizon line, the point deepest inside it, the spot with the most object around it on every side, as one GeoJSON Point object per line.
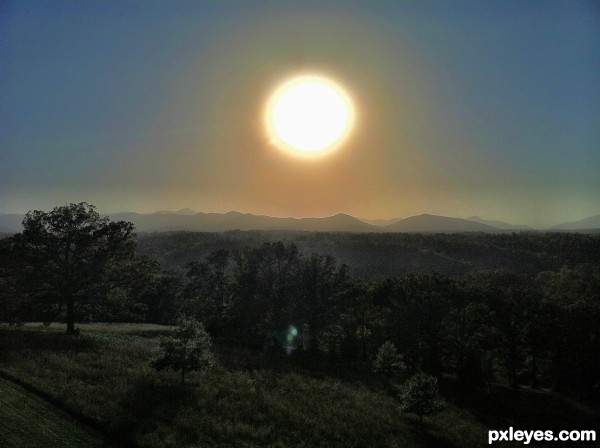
{"type": "Point", "coordinates": [362, 219]}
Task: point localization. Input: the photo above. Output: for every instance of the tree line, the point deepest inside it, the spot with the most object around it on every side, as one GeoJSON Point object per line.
{"type": "Point", "coordinates": [371, 255]}
{"type": "Point", "coordinates": [540, 330]}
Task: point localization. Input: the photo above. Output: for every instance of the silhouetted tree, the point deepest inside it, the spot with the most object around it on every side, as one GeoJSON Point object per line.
{"type": "Point", "coordinates": [10, 275]}
{"type": "Point", "coordinates": [512, 302]}
{"type": "Point", "coordinates": [264, 290]}
{"type": "Point", "coordinates": [151, 294]}
{"type": "Point", "coordinates": [69, 255]}
{"type": "Point", "coordinates": [320, 282]}
{"type": "Point", "coordinates": [417, 307]}
{"type": "Point", "coordinates": [361, 319]}
{"type": "Point", "coordinates": [467, 335]}
{"type": "Point", "coordinates": [207, 290]}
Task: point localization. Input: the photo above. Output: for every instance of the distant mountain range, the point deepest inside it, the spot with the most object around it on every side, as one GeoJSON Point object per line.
{"type": "Point", "coordinates": [190, 220]}
{"type": "Point", "coordinates": [381, 222]}
{"type": "Point", "coordinates": [593, 222]}
{"type": "Point", "coordinates": [183, 211]}
{"type": "Point", "coordinates": [217, 222]}
{"type": "Point", "coordinates": [499, 224]}
{"type": "Point", "coordinates": [438, 224]}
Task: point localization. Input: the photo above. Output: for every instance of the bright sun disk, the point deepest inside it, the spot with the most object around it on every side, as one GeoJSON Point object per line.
{"type": "Point", "coordinates": [309, 116]}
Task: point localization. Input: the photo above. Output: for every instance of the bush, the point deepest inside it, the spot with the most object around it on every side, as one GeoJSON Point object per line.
{"type": "Point", "coordinates": [187, 348]}
{"type": "Point", "coordinates": [420, 395]}
{"type": "Point", "coordinates": [388, 360]}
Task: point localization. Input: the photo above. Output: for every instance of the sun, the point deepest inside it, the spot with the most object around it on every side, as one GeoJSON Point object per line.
{"type": "Point", "coordinates": [309, 116]}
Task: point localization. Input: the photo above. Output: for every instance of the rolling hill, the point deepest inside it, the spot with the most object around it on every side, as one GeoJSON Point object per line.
{"type": "Point", "coordinates": [440, 224]}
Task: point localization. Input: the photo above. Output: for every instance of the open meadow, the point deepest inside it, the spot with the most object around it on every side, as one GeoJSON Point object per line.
{"type": "Point", "coordinates": [249, 399]}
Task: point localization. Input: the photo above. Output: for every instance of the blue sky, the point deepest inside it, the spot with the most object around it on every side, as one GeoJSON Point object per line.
{"type": "Point", "coordinates": [464, 108]}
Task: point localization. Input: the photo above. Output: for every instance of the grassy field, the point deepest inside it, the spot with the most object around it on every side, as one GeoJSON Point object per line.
{"type": "Point", "coordinates": [252, 399]}
{"type": "Point", "coordinates": [30, 421]}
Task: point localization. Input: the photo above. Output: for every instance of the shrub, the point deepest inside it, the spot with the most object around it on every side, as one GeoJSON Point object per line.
{"type": "Point", "coordinates": [186, 349]}
{"type": "Point", "coordinates": [388, 360]}
{"type": "Point", "coordinates": [419, 395]}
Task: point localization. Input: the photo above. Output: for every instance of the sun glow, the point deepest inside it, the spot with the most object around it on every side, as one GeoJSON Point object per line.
{"type": "Point", "coordinates": [309, 116]}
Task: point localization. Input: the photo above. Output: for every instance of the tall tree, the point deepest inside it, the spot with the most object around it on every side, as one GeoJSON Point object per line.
{"type": "Point", "coordinates": [572, 330]}
{"type": "Point", "coordinates": [207, 289]}
{"type": "Point", "coordinates": [513, 303]}
{"type": "Point", "coordinates": [10, 267]}
{"type": "Point", "coordinates": [417, 308]}
{"type": "Point", "coordinates": [72, 254]}
{"type": "Point", "coordinates": [321, 279]}
{"type": "Point", "coordinates": [264, 288]}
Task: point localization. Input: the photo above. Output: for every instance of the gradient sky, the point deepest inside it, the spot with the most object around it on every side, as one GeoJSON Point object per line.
{"type": "Point", "coordinates": [488, 108]}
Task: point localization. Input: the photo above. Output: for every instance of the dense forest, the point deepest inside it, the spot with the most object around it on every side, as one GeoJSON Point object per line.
{"type": "Point", "coordinates": [369, 255]}
{"type": "Point", "coordinates": [520, 309]}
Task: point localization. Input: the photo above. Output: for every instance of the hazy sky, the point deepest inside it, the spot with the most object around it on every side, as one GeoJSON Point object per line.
{"type": "Point", "coordinates": [487, 107]}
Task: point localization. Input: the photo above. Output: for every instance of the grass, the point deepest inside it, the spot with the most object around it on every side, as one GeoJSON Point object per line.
{"type": "Point", "coordinates": [252, 399]}
{"type": "Point", "coordinates": [28, 420]}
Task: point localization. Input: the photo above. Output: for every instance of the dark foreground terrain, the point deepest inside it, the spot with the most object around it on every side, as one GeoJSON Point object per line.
{"type": "Point", "coordinates": [319, 339]}
{"type": "Point", "coordinates": [98, 388]}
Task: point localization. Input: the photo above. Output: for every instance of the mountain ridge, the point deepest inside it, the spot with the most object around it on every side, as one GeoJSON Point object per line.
{"type": "Point", "coordinates": [500, 224]}
{"type": "Point", "coordinates": [436, 223]}
{"type": "Point", "coordinates": [189, 220]}
{"type": "Point", "coordinates": [591, 222]}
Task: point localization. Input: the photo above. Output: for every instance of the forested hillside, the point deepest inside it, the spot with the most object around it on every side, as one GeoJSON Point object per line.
{"type": "Point", "coordinates": [375, 254]}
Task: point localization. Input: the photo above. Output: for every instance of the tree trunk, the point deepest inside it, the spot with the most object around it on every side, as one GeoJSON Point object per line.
{"type": "Point", "coordinates": [314, 336]}
{"type": "Point", "coordinates": [512, 366]}
{"type": "Point", "coordinates": [71, 316]}
{"type": "Point", "coordinates": [534, 372]}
